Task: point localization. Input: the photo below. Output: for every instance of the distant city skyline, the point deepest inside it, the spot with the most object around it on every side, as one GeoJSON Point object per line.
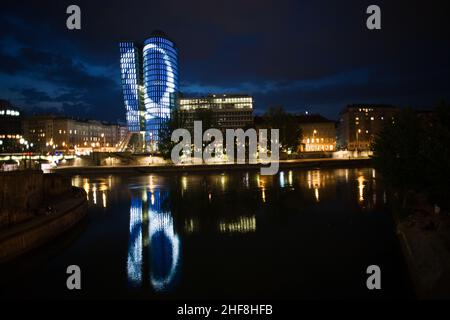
{"type": "Point", "coordinates": [314, 56]}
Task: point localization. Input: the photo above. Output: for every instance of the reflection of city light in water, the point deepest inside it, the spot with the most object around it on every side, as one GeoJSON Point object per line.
{"type": "Point", "coordinates": [162, 243]}
{"type": "Point", "coordinates": [164, 248]}
{"type": "Point", "coordinates": [184, 183]}
{"type": "Point", "coordinates": [314, 182]}
{"type": "Point", "coordinates": [223, 181]}
{"type": "Point", "coordinates": [86, 187]}
{"type": "Point", "coordinates": [243, 224]}
{"type": "Point", "coordinates": [190, 226]}
{"type": "Point", "coordinates": [134, 261]}
{"type": "Point", "coordinates": [246, 180]}
{"type": "Point", "coordinates": [104, 199]}
{"type": "Point", "coordinates": [290, 177]}
{"type": "Point", "coordinates": [94, 194]}
{"type": "Point", "coordinates": [151, 183]}
{"type": "Point", "coordinates": [281, 179]}
{"type": "Point", "coordinates": [262, 185]}
{"type": "Point", "coordinates": [361, 187]}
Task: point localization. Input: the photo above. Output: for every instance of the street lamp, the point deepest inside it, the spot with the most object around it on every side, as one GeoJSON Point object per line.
{"type": "Point", "coordinates": [357, 139]}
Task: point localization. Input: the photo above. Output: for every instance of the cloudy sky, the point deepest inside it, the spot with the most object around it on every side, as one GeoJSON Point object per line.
{"type": "Point", "coordinates": [314, 55]}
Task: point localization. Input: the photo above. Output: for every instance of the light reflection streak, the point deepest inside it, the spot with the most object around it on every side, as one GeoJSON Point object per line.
{"type": "Point", "coordinates": [243, 224]}
{"type": "Point", "coordinates": [314, 182]}
{"type": "Point", "coordinates": [361, 187]}
{"type": "Point", "coordinates": [153, 242]}
{"type": "Point", "coordinates": [134, 261]}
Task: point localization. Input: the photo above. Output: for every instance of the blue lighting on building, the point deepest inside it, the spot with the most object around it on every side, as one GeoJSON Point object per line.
{"type": "Point", "coordinates": [149, 84]}
{"type": "Point", "coordinates": [131, 84]}
{"type": "Point", "coordinates": [153, 244]}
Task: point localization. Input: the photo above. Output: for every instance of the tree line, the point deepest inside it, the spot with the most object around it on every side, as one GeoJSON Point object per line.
{"type": "Point", "coordinates": [413, 155]}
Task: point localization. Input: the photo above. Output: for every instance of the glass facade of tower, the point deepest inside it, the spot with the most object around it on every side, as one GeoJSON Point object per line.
{"type": "Point", "coordinates": [150, 84]}
{"type": "Point", "coordinates": [160, 71]}
{"type": "Point", "coordinates": [131, 74]}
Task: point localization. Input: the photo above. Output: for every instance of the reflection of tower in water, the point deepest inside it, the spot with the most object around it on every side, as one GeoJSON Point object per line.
{"type": "Point", "coordinates": [154, 247]}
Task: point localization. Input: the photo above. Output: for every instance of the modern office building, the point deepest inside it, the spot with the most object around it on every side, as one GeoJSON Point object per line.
{"type": "Point", "coordinates": [359, 124]}
{"type": "Point", "coordinates": [318, 133]}
{"type": "Point", "coordinates": [228, 111]}
{"type": "Point", "coordinates": [10, 128]}
{"type": "Point", "coordinates": [150, 85]}
{"type": "Point", "coordinates": [133, 95]}
{"type": "Point", "coordinates": [49, 132]}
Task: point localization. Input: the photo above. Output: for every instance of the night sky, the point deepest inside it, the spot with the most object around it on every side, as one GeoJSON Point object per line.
{"type": "Point", "coordinates": [312, 55]}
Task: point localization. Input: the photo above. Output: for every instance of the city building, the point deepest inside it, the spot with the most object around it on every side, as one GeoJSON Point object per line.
{"type": "Point", "coordinates": [11, 139]}
{"type": "Point", "coordinates": [359, 124]}
{"type": "Point", "coordinates": [318, 133]}
{"type": "Point", "coordinates": [228, 111]}
{"type": "Point", "coordinates": [49, 132]}
{"type": "Point", "coordinates": [150, 84]}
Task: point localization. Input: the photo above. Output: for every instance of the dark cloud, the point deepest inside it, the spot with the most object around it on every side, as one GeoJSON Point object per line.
{"type": "Point", "coordinates": [307, 54]}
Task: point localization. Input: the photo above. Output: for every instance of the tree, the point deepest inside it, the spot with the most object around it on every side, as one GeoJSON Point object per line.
{"type": "Point", "coordinates": [437, 155]}
{"type": "Point", "coordinates": [397, 151]}
{"type": "Point", "coordinates": [206, 116]}
{"type": "Point", "coordinates": [165, 144]}
{"type": "Point", "coordinates": [414, 154]}
{"type": "Point", "coordinates": [290, 131]}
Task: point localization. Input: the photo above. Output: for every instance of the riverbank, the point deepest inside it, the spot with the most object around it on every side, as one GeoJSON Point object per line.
{"type": "Point", "coordinates": [425, 241]}
{"type": "Point", "coordinates": [158, 168]}
{"type": "Point", "coordinates": [61, 215]}
{"type": "Point", "coordinates": [34, 208]}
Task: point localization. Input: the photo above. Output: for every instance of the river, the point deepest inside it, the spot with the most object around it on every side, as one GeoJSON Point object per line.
{"type": "Point", "coordinates": [299, 234]}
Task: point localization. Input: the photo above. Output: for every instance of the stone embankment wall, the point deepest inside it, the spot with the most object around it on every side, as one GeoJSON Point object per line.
{"type": "Point", "coordinates": [24, 194]}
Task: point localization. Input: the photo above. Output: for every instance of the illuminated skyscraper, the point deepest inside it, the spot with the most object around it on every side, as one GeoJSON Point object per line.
{"type": "Point", "coordinates": [150, 84]}
{"type": "Point", "coordinates": [130, 62]}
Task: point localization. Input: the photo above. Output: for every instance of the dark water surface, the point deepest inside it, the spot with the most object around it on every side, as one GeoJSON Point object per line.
{"type": "Point", "coordinates": [299, 234]}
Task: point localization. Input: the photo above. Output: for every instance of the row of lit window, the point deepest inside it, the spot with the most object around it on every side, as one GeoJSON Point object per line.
{"type": "Point", "coordinates": [129, 72]}
{"type": "Point", "coordinates": [159, 40]}
{"type": "Point", "coordinates": [216, 101]}
{"type": "Point", "coordinates": [160, 63]}
{"type": "Point", "coordinates": [164, 72]}
{"type": "Point", "coordinates": [127, 62]}
{"type": "Point", "coordinates": [130, 93]}
{"type": "Point", "coordinates": [319, 147]}
{"type": "Point", "coordinates": [13, 113]}
{"type": "Point", "coordinates": [155, 54]}
{"type": "Point", "coordinates": [128, 66]}
{"type": "Point", "coordinates": [156, 84]}
{"type": "Point", "coordinates": [126, 44]}
{"type": "Point", "coordinates": [318, 140]}
{"type": "Point", "coordinates": [10, 136]}
{"type": "Point", "coordinates": [129, 82]}
{"type": "Point", "coordinates": [167, 46]}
